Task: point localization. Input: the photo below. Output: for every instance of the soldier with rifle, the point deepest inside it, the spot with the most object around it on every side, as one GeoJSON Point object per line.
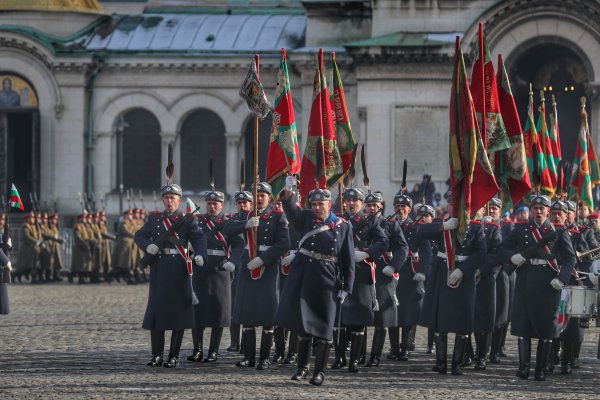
{"type": "Point", "coordinates": [122, 256]}
{"type": "Point", "coordinates": [544, 260]}
{"type": "Point", "coordinates": [55, 248]}
{"type": "Point", "coordinates": [29, 251]}
{"type": "Point", "coordinates": [164, 238]}
{"type": "Point", "coordinates": [105, 238]}
{"type": "Point", "coordinates": [82, 251]}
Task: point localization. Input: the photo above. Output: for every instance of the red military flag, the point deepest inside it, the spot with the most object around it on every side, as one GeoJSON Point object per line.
{"type": "Point", "coordinates": [284, 153]}
{"type": "Point", "coordinates": [512, 173]}
{"type": "Point", "coordinates": [554, 135]}
{"type": "Point", "coordinates": [594, 167]}
{"type": "Point", "coordinates": [547, 170]}
{"type": "Point", "coordinates": [581, 182]}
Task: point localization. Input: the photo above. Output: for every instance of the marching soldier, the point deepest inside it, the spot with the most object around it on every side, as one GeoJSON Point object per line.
{"type": "Point", "coordinates": [212, 281]}
{"type": "Point", "coordinates": [55, 248]}
{"type": "Point", "coordinates": [539, 281]}
{"type": "Point", "coordinates": [388, 266]}
{"type": "Point", "coordinates": [411, 277]}
{"type": "Point", "coordinates": [358, 309]}
{"type": "Point", "coordinates": [122, 256]}
{"type": "Point", "coordinates": [256, 293]}
{"type": "Point", "coordinates": [448, 305]}
{"type": "Point", "coordinates": [29, 251]}
{"type": "Point", "coordinates": [321, 276]}
{"type": "Point", "coordinates": [82, 251]}
{"type": "Point", "coordinates": [170, 298]}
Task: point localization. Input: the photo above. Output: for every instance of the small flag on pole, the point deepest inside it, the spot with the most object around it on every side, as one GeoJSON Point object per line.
{"type": "Point", "coordinates": [254, 94]}
{"type": "Point", "coordinates": [190, 206]}
{"type": "Point", "coordinates": [15, 200]}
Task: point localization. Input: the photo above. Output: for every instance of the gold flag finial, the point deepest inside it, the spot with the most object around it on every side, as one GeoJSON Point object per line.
{"type": "Point", "coordinates": [582, 99]}
{"type": "Point", "coordinates": [553, 101]}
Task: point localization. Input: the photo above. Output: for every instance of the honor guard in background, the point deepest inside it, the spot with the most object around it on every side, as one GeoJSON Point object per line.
{"type": "Point", "coordinates": [449, 301]}
{"type": "Point", "coordinates": [122, 255]}
{"type": "Point", "coordinates": [29, 251]}
{"type": "Point", "coordinates": [538, 284]}
{"type": "Point", "coordinates": [55, 248]}
{"type": "Point", "coordinates": [243, 203]}
{"type": "Point", "coordinates": [386, 275]}
{"type": "Point", "coordinates": [45, 273]}
{"type": "Point", "coordinates": [256, 293]}
{"type": "Point", "coordinates": [170, 297]}
{"type": "Point", "coordinates": [105, 256]}
{"type": "Point", "coordinates": [95, 246]}
{"type": "Point", "coordinates": [411, 277]}
{"type": "Point", "coordinates": [212, 281]}
{"type": "Point", "coordinates": [82, 253]}
{"type": "Point", "coordinates": [358, 310]}
{"type": "Point", "coordinates": [321, 276]}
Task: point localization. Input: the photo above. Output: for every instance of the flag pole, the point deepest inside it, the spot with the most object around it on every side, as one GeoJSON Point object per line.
{"type": "Point", "coordinates": [340, 198]}
{"type": "Point", "coordinates": [255, 155]}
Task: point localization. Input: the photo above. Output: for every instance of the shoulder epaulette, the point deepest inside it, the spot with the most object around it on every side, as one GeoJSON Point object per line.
{"type": "Point", "coordinates": [155, 212]}
{"type": "Point", "coordinates": [493, 224]}
{"type": "Point", "coordinates": [574, 231]}
{"type": "Point", "coordinates": [475, 222]}
{"type": "Point", "coordinates": [277, 211]}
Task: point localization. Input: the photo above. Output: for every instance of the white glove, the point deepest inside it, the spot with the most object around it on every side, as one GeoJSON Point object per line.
{"type": "Point", "coordinates": [152, 249]}
{"type": "Point", "coordinates": [229, 266]}
{"type": "Point", "coordinates": [419, 277]}
{"type": "Point", "coordinates": [199, 260]}
{"type": "Point", "coordinates": [360, 256]}
{"type": "Point", "coordinates": [455, 277]}
{"type": "Point", "coordinates": [557, 284]}
{"type": "Point", "coordinates": [450, 224]}
{"type": "Point", "coordinates": [388, 271]}
{"type": "Point", "coordinates": [9, 243]}
{"type": "Point", "coordinates": [255, 263]}
{"type": "Point", "coordinates": [9, 266]}
{"type": "Point", "coordinates": [290, 182]}
{"type": "Point", "coordinates": [287, 260]}
{"type": "Point", "coordinates": [39, 243]}
{"type": "Point", "coordinates": [342, 294]}
{"type": "Point", "coordinates": [252, 223]}
{"type": "Point", "coordinates": [518, 259]}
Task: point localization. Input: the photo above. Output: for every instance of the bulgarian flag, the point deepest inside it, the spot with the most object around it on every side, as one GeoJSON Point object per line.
{"type": "Point", "coordinates": [190, 206]}
{"type": "Point", "coordinates": [594, 168]}
{"type": "Point", "coordinates": [554, 135]}
{"type": "Point", "coordinates": [581, 182]}
{"type": "Point", "coordinates": [321, 138]}
{"type": "Point", "coordinates": [15, 200]}
{"type": "Point", "coordinates": [472, 182]}
{"type": "Point", "coordinates": [284, 153]}
{"type": "Point", "coordinates": [511, 164]}
{"type": "Point", "coordinates": [343, 130]}
{"type": "Point", "coordinates": [485, 98]}
{"type": "Point", "coordinates": [545, 158]}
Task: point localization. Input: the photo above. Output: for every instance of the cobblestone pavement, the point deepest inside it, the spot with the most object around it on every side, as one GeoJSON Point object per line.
{"type": "Point", "coordinates": [86, 341]}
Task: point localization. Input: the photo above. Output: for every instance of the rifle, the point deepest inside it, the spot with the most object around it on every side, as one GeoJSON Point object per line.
{"type": "Point", "coordinates": [147, 259]}
{"type": "Point", "coordinates": [141, 199]}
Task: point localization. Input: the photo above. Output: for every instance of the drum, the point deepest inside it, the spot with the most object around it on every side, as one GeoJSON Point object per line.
{"type": "Point", "coordinates": [582, 301]}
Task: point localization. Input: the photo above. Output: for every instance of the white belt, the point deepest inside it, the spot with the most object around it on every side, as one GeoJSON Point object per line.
{"type": "Point", "coordinates": [263, 248]}
{"type": "Point", "coordinates": [458, 258]}
{"type": "Point", "coordinates": [538, 261]}
{"type": "Point", "coordinates": [170, 251]}
{"type": "Point", "coordinates": [413, 255]}
{"type": "Point", "coordinates": [216, 252]}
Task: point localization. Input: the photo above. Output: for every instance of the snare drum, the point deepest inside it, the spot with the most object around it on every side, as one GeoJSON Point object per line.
{"type": "Point", "coordinates": [582, 301]}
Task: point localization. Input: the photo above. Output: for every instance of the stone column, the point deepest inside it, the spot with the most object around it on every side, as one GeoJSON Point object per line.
{"type": "Point", "coordinates": [232, 157]}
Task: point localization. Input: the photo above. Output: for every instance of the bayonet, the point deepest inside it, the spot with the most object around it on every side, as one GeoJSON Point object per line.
{"type": "Point", "coordinates": [363, 162]}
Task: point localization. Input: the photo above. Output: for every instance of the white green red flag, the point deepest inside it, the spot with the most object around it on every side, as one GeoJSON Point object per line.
{"type": "Point", "coordinates": [190, 206]}
{"type": "Point", "coordinates": [284, 153]}
{"type": "Point", "coordinates": [15, 200]}
{"type": "Point", "coordinates": [581, 181]}
{"type": "Point", "coordinates": [547, 169]}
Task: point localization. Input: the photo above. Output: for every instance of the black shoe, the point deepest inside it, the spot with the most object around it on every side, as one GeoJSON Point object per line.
{"type": "Point", "coordinates": [131, 281]}
{"type": "Point", "coordinates": [430, 349]}
{"type": "Point", "coordinates": [362, 359]}
{"type": "Point", "coordinates": [155, 361]}
{"type": "Point", "coordinates": [172, 363]}
{"type": "Point", "coordinates": [277, 358]}
{"type": "Point", "coordinates": [263, 364]}
{"type": "Point", "coordinates": [402, 356]}
{"type": "Point", "coordinates": [494, 358]}
{"type": "Point", "coordinates": [412, 346]}
{"type": "Point", "coordinates": [502, 352]}
{"type": "Point", "coordinates": [196, 356]}
{"type": "Point", "coordinates": [291, 359]}
{"type": "Point", "coordinates": [338, 363]}
{"type": "Point", "coordinates": [441, 354]}
{"type": "Point", "coordinates": [300, 374]}
{"type": "Point", "coordinates": [393, 354]}
{"type": "Point", "coordinates": [456, 368]}
{"type": "Point", "coordinates": [234, 348]}
{"type": "Point", "coordinates": [480, 364]}
{"type": "Point", "coordinates": [565, 369]}
{"type": "Point", "coordinates": [211, 357]}
{"type": "Point", "coordinates": [353, 367]}
{"type": "Point", "coordinates": [373, 362]}
{"type": "Point", "coordinates": [575, 363]}
{"type": "Point", "coordinates": [245, 363]}
{"type": "Point", "coordinates": [466, 361]}
{"type": "Point", "coordinates": [317, 379]}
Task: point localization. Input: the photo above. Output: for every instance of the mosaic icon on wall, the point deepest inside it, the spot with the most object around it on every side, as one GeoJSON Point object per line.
{"type": "Point", "coordinates": [16, 92]}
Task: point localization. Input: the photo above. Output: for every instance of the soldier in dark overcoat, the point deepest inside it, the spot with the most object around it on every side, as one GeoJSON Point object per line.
{"type": "Point", "coordinates": [212, 281]}
{"type": "Point", "coordinates": [538, 284]}
{"type": "Point", "coordinates": [170, 295]}
{"type": "Point", "coordinates": [358, 311]}
{"type": "Point", "coordinates": [449, 301]}
{"type": "Point", "coordinates": [256, 293]}
{"type": "Point", "coordinates": [4, 264]}
{"type": "Point", "coordinates": [411, 277]}
{"type": "Point", "coordinates": [386, 275]}
{"type": "Point", "coordinates": [321, 276]}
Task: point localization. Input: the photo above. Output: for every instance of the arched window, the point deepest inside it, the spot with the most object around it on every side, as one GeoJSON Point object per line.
{"type": "Point", "coordinates": [139, 164]}
{"type": "Point", "coordinates": [202, 137]}
{"type": "Point", "coordinates": [264, 136]}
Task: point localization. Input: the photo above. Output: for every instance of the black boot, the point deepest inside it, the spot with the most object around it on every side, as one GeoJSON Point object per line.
{"type": "Point", "coordinates": [266, 342]}
{"type": "Point", "coordinates": [394, 333]}
{"type": "Point", "coordinates": [197, 339]}
{"type": "Point", "coordinates": [554, 357]}
{"type": "Point", "coordinates": [469, 353]}
{"type": "Point", "coordinates": [376, 347]}
{"type": "Point", "coordinates": [56, 276]}
{"type": "Point", "coordinates": [460, 342]}
{"type": "Point", "coordinates": [430, 341]}
{"type": "Point", "coordinates": [304, 345]}
{"type": "Point", "coordinates": [502, 352]}
{"type": "Point", "coordinates": [441, 353]}
{"type": "Point", "coordinates": [355, 349]}
{"type": "Point", "coordinates": [292, 355]}
{"type": "Point", "coordinates": [576, 351]}
{"type": "Point", "coordinates": [279, 335]}
{"type": "Point", "coordinates": [81, 279]}
{"type": "Point", "coordinates": [176, 339]}
{"type": "Point", "coordinates": [524, 345]}
{"type": "Point", "coordinates": [321, 356]}
{"type": "Point", "coordinates": [157, 340]}
{"type": "Point", "coordinates": [234, 341]}
{"type": "Point", "coordinates": [339, 346]}
{"type": "Point", "coordinates": [413, 334]}
{"type": "Point", "coordinates": [483, 346]}
{"type": "Point", "coordinates": [495, 349]}
{"type": "Point", "coordinates": [363, 350]}
{"type": "Point", "coordinates": [405, 345]}
{"type": "Point", "coordinates": [249, 345]}
{"type": "Point", "coordinates": [215, 341]}
{"type": "Point", "coordinates": [541, 358]}
{"type": "Point", "coordinates": [567, 356]}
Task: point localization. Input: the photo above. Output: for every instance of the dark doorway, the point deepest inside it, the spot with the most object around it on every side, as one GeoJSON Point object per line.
{"type": "Point", "coordinates": [264, 137]}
